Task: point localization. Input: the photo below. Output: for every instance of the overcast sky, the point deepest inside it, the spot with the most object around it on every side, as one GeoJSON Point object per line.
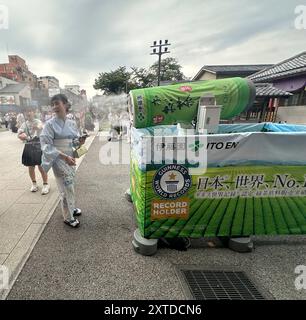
{"type": "Point", "coordinates": [74, 40]}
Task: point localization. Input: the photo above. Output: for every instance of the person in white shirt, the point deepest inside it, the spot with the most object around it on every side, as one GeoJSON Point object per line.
{"type": "Point", "coordinates": [32, 128]}
{"type": "Point", "coordinates": [20, 120]}
{"type": "Point", "coordinates": [125, 124]}
{"type": "Point", "coordinates": [115, 130]}
{"type": "Point", "coordinates": [7, 120]}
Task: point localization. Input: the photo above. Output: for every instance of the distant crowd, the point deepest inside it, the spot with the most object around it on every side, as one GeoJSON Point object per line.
{"type": "Point", "coordinates": [118, 121]}
{"type": "Point", "coordinates": [13, 120]}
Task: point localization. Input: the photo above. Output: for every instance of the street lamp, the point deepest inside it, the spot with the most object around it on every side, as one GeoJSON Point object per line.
{"type": "Point", "coordinates": [160, 52]}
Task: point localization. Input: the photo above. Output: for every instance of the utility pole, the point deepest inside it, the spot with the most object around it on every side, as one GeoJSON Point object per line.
{"type": "Point", "coordinates": [160, 52]}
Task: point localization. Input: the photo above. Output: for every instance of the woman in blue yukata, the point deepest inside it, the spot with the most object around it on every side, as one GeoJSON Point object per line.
{"type": "Point", "coordinates": [57, 139]}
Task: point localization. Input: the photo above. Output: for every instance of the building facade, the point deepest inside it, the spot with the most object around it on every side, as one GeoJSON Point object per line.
{"type": "Point", "coordinates": [74, 88]}
{"type": "Point", "coordinates": [47, 82]}
{"type": "Point", "coordinates": [213, 72]}
{"type": "Point", "coordinates": [17, 70]}
{"type": "Point", "coordinates": [14, 96]}
{"type": "Point", "coordinates": [5, 81]}
{"type": "Point", "coordinates": [290, 76]}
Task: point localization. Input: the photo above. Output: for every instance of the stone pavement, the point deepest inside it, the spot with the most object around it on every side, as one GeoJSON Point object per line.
{"type": "Point", "coordinates": [23, 215]}
{"type": "Point", "coordinates": [97, 261]}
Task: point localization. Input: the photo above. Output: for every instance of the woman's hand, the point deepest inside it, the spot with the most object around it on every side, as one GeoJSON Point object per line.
{"type": "Point", "coordinates": [22, 136]}
{"type": "Point", "coordinates": [70, 161]}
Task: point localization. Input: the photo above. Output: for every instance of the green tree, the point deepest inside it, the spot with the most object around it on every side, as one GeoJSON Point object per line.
{"type": "Point", "coordinates": [142, 78]}
{"type": "Point", "coordinates": [170, 70]}
{"type": "Point", "coordinates": [116, 81]}
{"type": "Point", "coordinates": [122, 80]}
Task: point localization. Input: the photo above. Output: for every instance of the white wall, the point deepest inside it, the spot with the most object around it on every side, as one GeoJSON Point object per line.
{"type": "Point", "coordinates": [4, 82]}
{"type": "Point", "coordinates": [208, 76]}
{"type": "Point", "coordinates": [26, 92]}
{"type": "Point", "coordinates": [17, 99]}
{"type": "Point", "coordinates": [293, 114]}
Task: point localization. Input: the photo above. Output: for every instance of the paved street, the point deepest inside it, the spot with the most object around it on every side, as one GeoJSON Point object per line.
{"type": "Point", "coordinates": [97, 261]}
{"type": "Point", "coordinates": [23, 215]}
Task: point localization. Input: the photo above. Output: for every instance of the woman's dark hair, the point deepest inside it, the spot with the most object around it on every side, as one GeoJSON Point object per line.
{"type": "Point", "coordinates": [63, 98]}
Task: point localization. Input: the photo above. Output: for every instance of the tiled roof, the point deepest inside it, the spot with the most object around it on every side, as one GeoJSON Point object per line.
{"type": "Point", "coordinates": [292, 66]}
{"type": "Point", "coordinates": [13, 88]}
{"type": "Point", "coordinates": [267, 90]}
{"type": "Point", "coordinates": [237, 68]}
{"type": "Point", "coordinates": [244, 69]}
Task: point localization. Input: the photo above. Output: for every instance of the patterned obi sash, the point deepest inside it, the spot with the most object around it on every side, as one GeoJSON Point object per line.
{"type": "Point", "coordinates": [64, 145]}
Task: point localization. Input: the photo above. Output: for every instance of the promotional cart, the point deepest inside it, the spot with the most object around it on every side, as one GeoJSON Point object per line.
{"type": "Point", "coordinates": [235, 180]}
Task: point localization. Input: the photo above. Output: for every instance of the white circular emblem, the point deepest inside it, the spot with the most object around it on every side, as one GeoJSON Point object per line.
{"type": "Point", "coordinates": [171, 181]}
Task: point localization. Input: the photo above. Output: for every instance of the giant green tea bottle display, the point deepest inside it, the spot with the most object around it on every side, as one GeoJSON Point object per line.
{"type": "Point", "coordinates": [178, 103]}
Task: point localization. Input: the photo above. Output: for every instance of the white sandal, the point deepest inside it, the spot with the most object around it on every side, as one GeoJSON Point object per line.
{"type": "Point", "coordinates": [72, 223]}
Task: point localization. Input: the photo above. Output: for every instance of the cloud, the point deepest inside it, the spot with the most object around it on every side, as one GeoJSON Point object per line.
{"type": "Point", "coordinates": [75, 40]}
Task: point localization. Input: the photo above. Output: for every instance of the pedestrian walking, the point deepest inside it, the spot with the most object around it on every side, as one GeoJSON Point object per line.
{"type": "Point", "coordinates": [29, 132]}
{"type": "Point", "coordinates": [1, 120]}
{"type": "Point", "coordinates": [115, 128]}
{"type": "Point", "coordinates": [20, 120]}
{"type": "Point", "coordinates": [60, 135]}
{"type": "Point", "coordinates": [6, 120]}
{"type": "Point", "coordinates": [13, 123]}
